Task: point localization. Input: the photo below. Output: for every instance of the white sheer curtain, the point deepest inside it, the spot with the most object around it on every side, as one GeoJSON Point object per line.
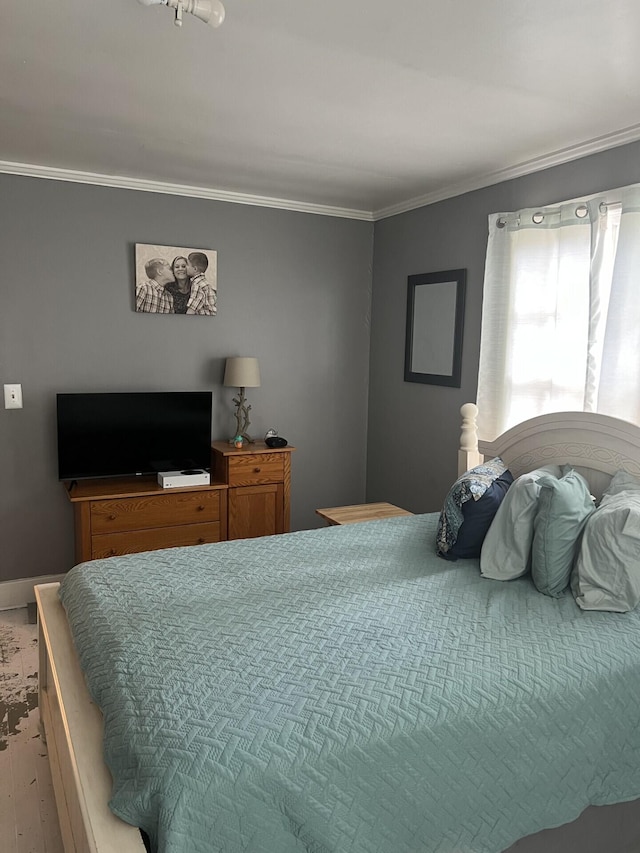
{"type": "Point", "coordinates": [561, 312]}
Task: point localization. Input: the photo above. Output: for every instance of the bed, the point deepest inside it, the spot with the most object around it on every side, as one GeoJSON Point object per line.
{"type": "Point", "coordinates": [346, 690]}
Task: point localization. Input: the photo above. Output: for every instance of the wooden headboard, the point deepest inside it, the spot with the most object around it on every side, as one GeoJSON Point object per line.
{"type": "Point", "coordinates": [596, 445]}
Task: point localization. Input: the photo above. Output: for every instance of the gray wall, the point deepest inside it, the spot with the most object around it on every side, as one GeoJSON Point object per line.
{"type": "Point", "coordinates": [293, 289]}
{"type": "Point", "coordinates": [414, 429]}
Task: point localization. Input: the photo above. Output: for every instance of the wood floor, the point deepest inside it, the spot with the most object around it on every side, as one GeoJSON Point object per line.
{"type": "Point", "coordinates": [28, 821]}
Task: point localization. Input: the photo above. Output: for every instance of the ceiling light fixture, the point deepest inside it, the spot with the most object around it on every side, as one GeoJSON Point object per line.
{"type": "Point", "coordinates": [209, 11]}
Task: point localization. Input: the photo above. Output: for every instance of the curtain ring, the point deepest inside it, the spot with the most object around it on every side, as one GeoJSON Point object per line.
{"type": "Point", "coordinates": [602, 207]}
{"type": "Point", "coordinates": [501, 222]}
{"type": "Point", "coordinates": [537, 218]}
{"type": "Point", "coordinates": [581, 211]}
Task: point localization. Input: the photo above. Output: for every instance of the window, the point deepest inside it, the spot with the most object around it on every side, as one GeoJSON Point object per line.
{"type": "Point", "coordinates": [561, 312]}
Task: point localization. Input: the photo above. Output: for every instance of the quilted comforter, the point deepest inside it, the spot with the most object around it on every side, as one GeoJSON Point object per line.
{"type": "Point", "coordinates": [346, 691]}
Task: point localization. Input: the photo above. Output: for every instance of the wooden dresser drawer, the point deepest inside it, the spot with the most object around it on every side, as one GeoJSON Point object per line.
{"type": "Point", "coordinates": [132, 542]}
{"type": "Point", "coordinates": [150, 511]}
{"type": "Point", "coordinates": [254, 469]}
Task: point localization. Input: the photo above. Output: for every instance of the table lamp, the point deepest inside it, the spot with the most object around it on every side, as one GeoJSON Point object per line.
{"type": "Point", "coordinates": [242, 373]}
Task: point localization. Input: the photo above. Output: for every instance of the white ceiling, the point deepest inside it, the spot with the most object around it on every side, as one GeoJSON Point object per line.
{"type": "Point", "coordinates": [359, 105]}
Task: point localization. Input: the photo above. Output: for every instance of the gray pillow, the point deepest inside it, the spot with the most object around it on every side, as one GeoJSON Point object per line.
{"type": "Point", "coordinates": [606, 575]}
{"type": "Point", "coordinates": [622, 482]}
{"type": "Point", "coordinates": [563, 508]}
{"type": "Point", "coordinates": [506, 550]}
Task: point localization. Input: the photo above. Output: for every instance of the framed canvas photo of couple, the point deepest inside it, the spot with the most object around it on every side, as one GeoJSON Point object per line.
{"type": "Point", "coordinates": [175, 280]}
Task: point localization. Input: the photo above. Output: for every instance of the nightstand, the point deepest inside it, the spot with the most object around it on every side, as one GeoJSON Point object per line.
{"type": "Point", "coordinates": [360, 512]}
{"type": "Point", "coordinates": [259, 487]}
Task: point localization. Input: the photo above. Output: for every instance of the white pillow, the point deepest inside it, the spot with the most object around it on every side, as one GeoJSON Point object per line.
{"type": "Point", "coordinates": [506, 550]}
{"type": "Point", "coordinates": [606, 575]}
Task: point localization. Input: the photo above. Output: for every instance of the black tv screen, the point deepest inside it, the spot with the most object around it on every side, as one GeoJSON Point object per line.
{"type": "Point", "coordinates": [118, 434]}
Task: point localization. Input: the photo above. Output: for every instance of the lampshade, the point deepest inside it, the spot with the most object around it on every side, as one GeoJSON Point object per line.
{"type": "Point", "coordinates": [242, 372]}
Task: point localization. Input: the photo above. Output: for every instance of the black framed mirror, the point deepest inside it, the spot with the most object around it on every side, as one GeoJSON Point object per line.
{"type": "Point", "coordinates": [435, 322]}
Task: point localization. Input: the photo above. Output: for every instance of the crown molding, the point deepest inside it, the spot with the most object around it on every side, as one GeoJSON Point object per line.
{"type": "Point", "coordinates": [528, 167]}
{"type": "Point", "coordinates": [52, 173]}
{"type": "Point", "coordinates": [537, 164]}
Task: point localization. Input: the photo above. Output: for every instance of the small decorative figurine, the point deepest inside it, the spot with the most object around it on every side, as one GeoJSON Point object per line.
{"type": "Point", "coordinates": [238, 441]}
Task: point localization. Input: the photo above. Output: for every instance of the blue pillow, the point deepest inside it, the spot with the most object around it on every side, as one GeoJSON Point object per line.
{"type": "Point", "coordinates": [563, 509]}
{"type": "Point", "coordinates": [469, 508]}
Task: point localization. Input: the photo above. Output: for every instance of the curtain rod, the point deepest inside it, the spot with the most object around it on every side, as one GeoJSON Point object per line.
{"type": "Point", "coordinates": [581, 212]}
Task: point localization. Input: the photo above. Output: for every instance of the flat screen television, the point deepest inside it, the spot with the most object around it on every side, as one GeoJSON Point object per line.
{"type": "Point", "coordinates": [129, 433]}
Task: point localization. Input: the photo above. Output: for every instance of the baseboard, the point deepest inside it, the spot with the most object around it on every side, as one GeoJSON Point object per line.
{"type": "Point", "coordinates": [19, 593]}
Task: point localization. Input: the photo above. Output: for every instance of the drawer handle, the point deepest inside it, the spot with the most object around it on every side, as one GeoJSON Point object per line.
{"type": "Point", "coordinates": [200, 508]}
{"type": "Point", "coordinates": [112, 552]}
{"type": "Point", "coordinates": [256, 470]}
{"type": "Point", "coordinates": [201, 541]}
{"type": "Point", "coordinates": [112, 518]}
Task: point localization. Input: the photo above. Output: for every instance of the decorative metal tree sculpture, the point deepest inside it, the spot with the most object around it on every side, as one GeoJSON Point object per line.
{"type": "Point", "coordinates": [242, 416]}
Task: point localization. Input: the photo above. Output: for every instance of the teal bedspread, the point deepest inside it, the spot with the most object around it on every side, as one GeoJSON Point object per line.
{"type": "Point", "coordinates": [346, 691]}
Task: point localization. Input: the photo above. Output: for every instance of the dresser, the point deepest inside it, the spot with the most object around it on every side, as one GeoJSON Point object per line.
{"type": "Point", "coordinates": [126, 515]}
{"type": "Point", "coordinates": [259, 487]}
{"type": "Point", "coordinates": [249, 496]}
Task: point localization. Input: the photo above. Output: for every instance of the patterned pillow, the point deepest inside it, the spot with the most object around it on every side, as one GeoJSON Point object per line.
{"type": "Point", "coordinates": [469, 508]}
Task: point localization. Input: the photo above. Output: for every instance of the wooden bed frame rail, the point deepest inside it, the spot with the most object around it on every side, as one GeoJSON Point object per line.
{"type": "Point", "coordinates": [72, 725]}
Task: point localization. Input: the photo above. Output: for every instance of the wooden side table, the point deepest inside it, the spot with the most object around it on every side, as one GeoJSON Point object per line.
{"type": "Point", "coordinates": [360, 512]}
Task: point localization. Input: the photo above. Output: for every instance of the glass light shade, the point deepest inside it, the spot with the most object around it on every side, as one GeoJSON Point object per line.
{"type": "Point", "coordinates": [209, 11]}
{"type": "Point", "coordinates": [217, 13]}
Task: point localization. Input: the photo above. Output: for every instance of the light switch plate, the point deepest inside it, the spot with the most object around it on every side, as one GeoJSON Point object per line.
{"type": "Point", "coordinates": [13, 396]}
